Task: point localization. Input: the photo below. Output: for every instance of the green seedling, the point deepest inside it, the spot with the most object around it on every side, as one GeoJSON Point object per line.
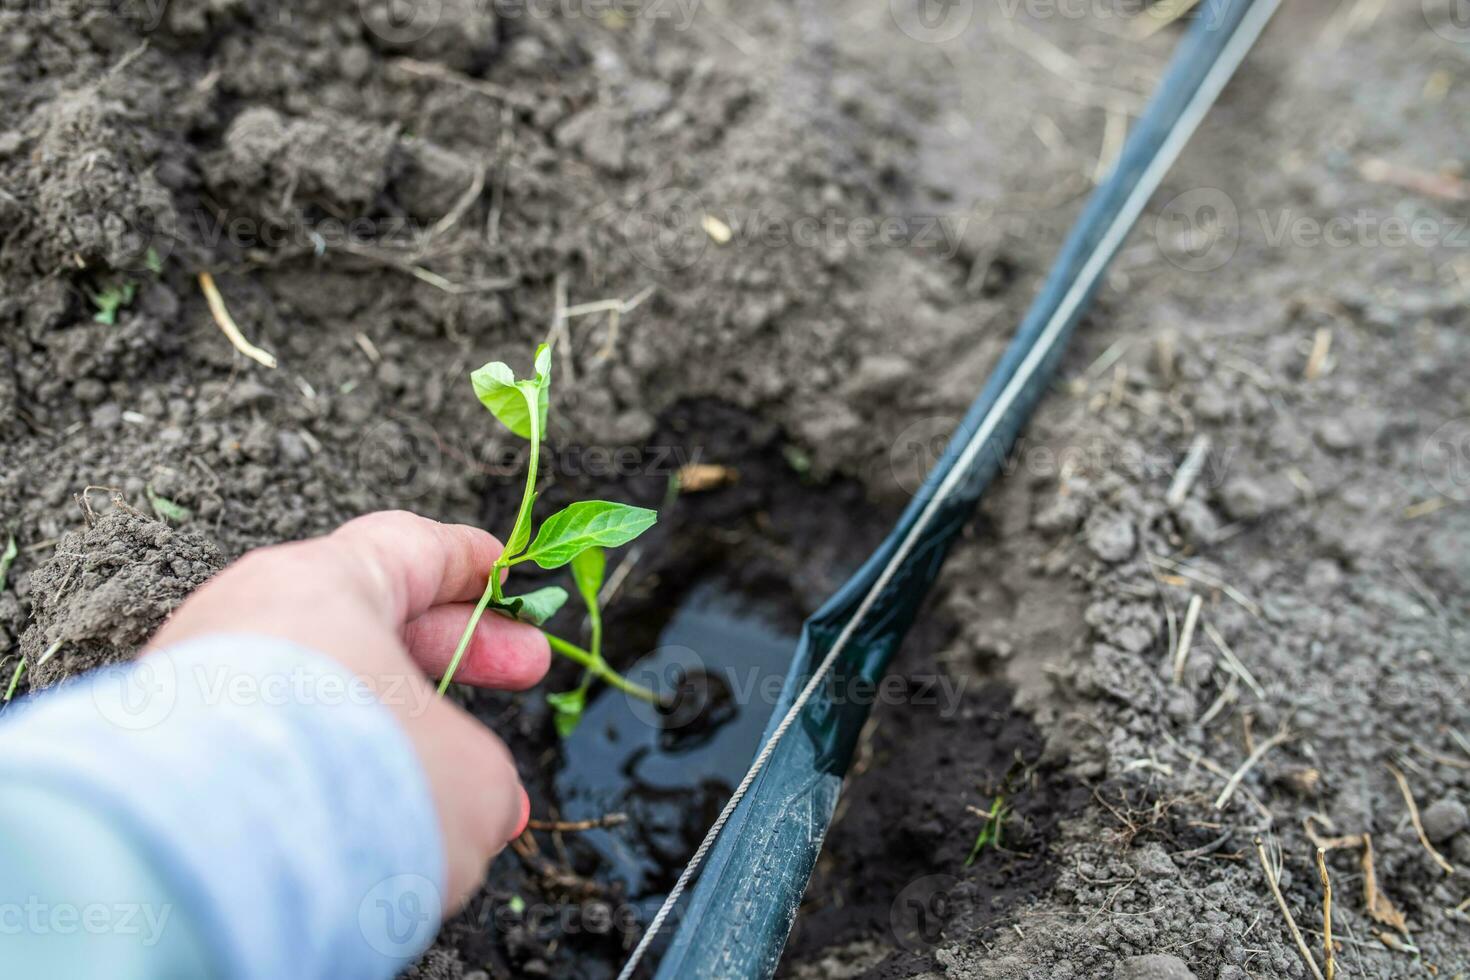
{"type": "Point", "coordinates": [574, 536]}
{"type": "Point", "coordinates": [166, 510]}
{"type": "Point", "coordinates": [20, 668]}
{"type": "Point", "coordinates": [7, 558]}
{"type": "Point", "coordinates": [990, 832]}
{"type": "Point", "coordinates": [113, 297]}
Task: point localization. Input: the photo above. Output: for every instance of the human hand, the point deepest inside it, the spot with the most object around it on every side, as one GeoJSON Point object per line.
{"type": "Point", "coordinates": [387, 596]}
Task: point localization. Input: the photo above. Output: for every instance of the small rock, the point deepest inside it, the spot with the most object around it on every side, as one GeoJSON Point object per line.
{"type": "Point", "coordinates": [1444, 819]}
{"type": "Point", "coordinates": [1151, 861]}
{"type": "Point", "coordinates": [1198, 521]}
{"type": "Point", "coordinates": [597, 133]}
{"type": "Point", "coordinates": [1323, 577]}
{"type": "Point", "coordinates": [1111, 537]}
{"type": "Point", "coordinates": [1062, 515]}
{"type": "Point", "coordinates": [1245, 499]}
{"type": "Point", "coordinates": [1157, 966]}
{"type": "Point", "coordinates": [1336, 434]}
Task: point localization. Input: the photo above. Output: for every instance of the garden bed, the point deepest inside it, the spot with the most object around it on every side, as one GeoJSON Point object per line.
{"type": "Point", "coordinates": [818, 232]}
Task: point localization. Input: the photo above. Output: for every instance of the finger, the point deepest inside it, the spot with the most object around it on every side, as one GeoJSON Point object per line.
{"type": "Point", "coordinates": [502, 653]}
{"type": "Point", "coordinates": [410, 564]}
{"type": "Point", "coordinates": [477, 792]}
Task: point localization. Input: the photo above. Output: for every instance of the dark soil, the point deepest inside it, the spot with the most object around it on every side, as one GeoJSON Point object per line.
{"type": "Point", "coordinates": [388, 203]}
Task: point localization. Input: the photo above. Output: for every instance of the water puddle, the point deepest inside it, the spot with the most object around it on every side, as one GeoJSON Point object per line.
{"type": "Point", "coordinates": [671, 772]}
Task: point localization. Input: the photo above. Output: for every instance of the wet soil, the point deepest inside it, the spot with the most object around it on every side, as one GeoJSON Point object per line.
{"type": "Point", "coordinates": [387, 200]}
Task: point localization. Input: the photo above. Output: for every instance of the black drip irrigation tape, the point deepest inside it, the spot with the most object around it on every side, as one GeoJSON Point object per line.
{"type": "Point", "coordinates": [759, 854]}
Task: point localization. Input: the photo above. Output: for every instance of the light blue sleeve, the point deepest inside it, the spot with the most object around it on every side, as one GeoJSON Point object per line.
{"type": "Point", "coordinates": [235, 807]}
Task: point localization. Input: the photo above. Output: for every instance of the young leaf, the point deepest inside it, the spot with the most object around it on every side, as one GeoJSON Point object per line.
{"type": "Point", "coordinates": [534, 607]}
{"type": "Point", "coordinates": [510, 400]}
{"type": "Point", "coordinates": [568, 706]}
{"type": "Point", "coordinates": [588, 524]}
{"type": "Point", "coordinates": [542, 383]}
{"type": "Point", "coordinates": [498, 390]}
{"type": "Point", "coordinates": [587, 569]}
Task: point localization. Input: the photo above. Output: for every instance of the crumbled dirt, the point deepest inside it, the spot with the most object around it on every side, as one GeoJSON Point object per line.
{"type": "Point", "coordinates": [387, 203]}
{"type": "Point", "coordinates": [105, 590]}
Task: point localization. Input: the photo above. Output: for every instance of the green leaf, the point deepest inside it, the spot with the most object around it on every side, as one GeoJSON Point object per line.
{"type": "Point", "coordinates": [166, 510]}
{"type": "Point", "coordinates": [587, 569]}
{"type": "Point", "coordinates": [542, 383]}
{"type": "Point", "coordinates": [495, 386]}
{"type": "Point", "coordinates": [534, 607]}
{"type": "Point", "coordinates": [568, 706]}
{"type": "Point", "coordinates": [20, 668]}
{"type": "Point", "coordinates": [7, 559]}
{"type": "Point", "coordinates": [510, 400]}
{"type": "Point", "coordinates": [588, 524]}
{"type": "Point", "coordinates": [111, 299]}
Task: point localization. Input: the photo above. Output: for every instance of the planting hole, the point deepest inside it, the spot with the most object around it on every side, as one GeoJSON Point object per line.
{"type": "Point", "coordinates": [670, 770]}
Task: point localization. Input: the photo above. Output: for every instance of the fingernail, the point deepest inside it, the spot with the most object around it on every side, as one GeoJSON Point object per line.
{"type": "Point", "coordinates": [525, 814]}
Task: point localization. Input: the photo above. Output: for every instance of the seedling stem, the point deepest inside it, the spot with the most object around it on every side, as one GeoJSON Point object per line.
{"type": "Point", "coordinates": [575, 536]}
